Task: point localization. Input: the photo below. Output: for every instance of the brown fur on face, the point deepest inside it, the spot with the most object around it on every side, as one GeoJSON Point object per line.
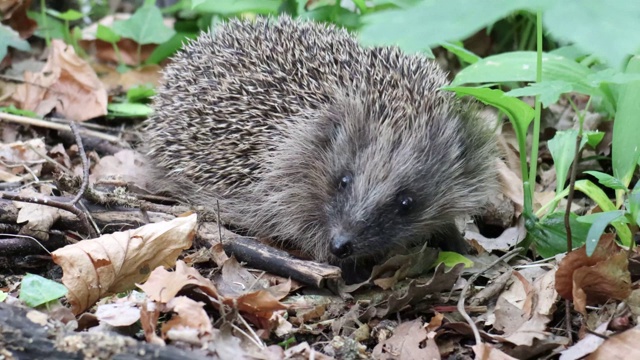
{"type": "Point", "coordinates": [269, 116]}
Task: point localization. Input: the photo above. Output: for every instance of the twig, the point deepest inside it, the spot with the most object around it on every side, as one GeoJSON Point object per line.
{"type": "Point", "coordinates": [56, 204]}
{"type": "Point", "coordinates": [51, 125]}
{"type": "Point", "coordinates": [461, 300]}
{"type": "Point", "coordinates": [85, 163]}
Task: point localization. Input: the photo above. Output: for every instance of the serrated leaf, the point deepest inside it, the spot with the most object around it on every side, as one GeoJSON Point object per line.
{"type": "Point", "coordinates": [36, 290]}
{"type": "Point", "coordinates": [607, 180]}
{"type": "Point", "coordinates": [145, 26]}
{"type": "Point", "coordinates": [9, 37]}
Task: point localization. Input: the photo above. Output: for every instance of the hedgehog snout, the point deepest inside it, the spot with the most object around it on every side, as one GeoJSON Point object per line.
{"type": "Point", "coordinates": [341, 245]}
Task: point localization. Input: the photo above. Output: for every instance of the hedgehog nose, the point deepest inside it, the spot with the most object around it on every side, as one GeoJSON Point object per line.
{"type": "Point", "coordinates": [341, 246]}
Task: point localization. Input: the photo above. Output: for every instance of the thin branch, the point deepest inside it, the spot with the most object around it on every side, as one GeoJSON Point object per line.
{"type": "Point", "coordinates": [472, 279]}
{"type": "Point", "coordinates": [85, 163]}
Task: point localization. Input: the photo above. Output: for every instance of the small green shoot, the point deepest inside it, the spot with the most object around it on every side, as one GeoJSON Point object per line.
{"type": "Point", "coordinates": [36, 290]}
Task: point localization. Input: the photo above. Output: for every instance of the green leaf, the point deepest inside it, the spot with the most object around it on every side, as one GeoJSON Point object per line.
{"type": "Point", "coordinates": [105, 33]}
{"type": "Point", "coordinates": [463, 54]}
{"type": "Point", "coordinates": [170, 47]}
{"type": "Point", "coordinates": [563, 149]}
{"type": "Point", "coordinates": [593, 137]}
{"type": "Point", "coordinates": [610, 76]}
{"type": "Point", "coordinates": [145, 26]}
{"type": "Point", "coordinates": [625, 148]}
{"type": "Point", "coordinates": [550, 234]}
{"type": "Point", "coordinates": [48, 26]}
{"type": "Point", "coordinates": [607, 180]}
{"type": "Point", "coordinates": [451, 259]}
{"type": "Point", "coordinates": [519, 112]}
{"type": "Point", "coordinates": [9, 37]}
{"type": "Point", "coordinates": [11, 109]}
{"type": "Point", "coordinates": [432, 22]}
{"type": "Point", "coordinates": [69, 15]}
{"type": "Point", "coordinates": [3, 296]}
{"type": "Point", "coordinates": [634, 203]}
{"type": "Point", "coordinates": [600, 221]}
{"type": "Point", "coordinates": [36, 290]}
{"type": "Point", "coordinates": [549, 91]}
{"type": "Point", "coordinates": [230, 7]}
{"type": "Point", "coordinates": [129, 110]}
{"type": "Point", "coordinates": [604, 28]}
{"type": "Point", "coordinates": [139, 93]}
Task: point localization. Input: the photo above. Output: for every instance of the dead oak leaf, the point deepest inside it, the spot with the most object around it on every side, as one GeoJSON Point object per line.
{"type": "Point", "coordinates": [162, 285]}
{"type": "Point", "coordinates": [405, 344]}
{"type": "Point", "coordinates": [37, 218]}
{"type": "Point", "coordinates": [115, 262]}
{"type": "Point", "coordinates": [66, 83]}
{"type": "Point", "coordinates": [189, 315]}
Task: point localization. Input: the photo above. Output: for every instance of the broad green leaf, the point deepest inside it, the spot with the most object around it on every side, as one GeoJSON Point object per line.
{"type": "Point", "coordinates": [549, 91]}
{"type": "Point", "coordinates": [451, 259]}
{"type": "Point", "coordinates": [48, 26]}
{"type": "Point", "coordinates": [463, 54]}
{"type": "Point", "coordinates": [634, 203]}
{"type": "Point", "coordinates": [593, 137]}
{"type": "Point", "coordinates": [605, 28]}
{"type": "Point", "coordinates": [170, 47]}
{"type": "Point", "coordinates": [550, 234]}
{"type": "Point", "coordinates": [600, 222]}
{"type": "Point", "coordinates": [9, 37]}
{"type": "Point", "coordinates": [433, 22]}
{"type": "Point", "coordinates": [229, 7]}
{"type": "Point", "coordinates": [625, 147]}
{"type": "Point", "coordinates": [105, 33]}
{"type": "Point", "coordinates": [139, 93]}
{"type": "Point", "coordinates": [36, 290]}
{"type": "Point", "coordinates": [563, 151]}
{"type": "Point", "coordinates": [145, 26]}
{"type": "Point", "coordinates": [129, 110]}
{"type": "Point", "coordinates": [607, 180]}
{"type": "Point", "coordinates": [520, 66]}
{"type": "Point", "coordinates": [519, 112]}
{"type": "Point", "coordinates": [69, 15]}
{"type": "Point", "coordinates": [570, 52]}
{"type": "Point", "coordinates": [610, 76]}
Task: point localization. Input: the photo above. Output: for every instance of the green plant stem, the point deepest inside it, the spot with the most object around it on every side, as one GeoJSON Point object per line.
{"type": "Point", "coordinates": [43, 13]}
{"type": "Point", "coordinates": [536, 121]}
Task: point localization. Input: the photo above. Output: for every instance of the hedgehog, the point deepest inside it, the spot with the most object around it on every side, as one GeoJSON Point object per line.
{"type": "Point", "coordinates": [298, 133]}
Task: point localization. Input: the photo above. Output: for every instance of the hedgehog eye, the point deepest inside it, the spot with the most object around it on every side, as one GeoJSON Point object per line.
{"type": "Point", "coordinates": [344, 182]}
{"type": "Point", "coordinates": [405, 204]}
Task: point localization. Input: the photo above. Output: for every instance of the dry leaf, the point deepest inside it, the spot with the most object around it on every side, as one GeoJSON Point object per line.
{"type": "Point", "coordinates": [125, 165]}
{"type": "Point", "coordinates": [24, 154]}
{"type": "Point", "coordinates": [163, 285]}
{"type": "Point", "coordinates": [37, 219]}
{"type": "Point", "coordinates": [14, 14]}
{"type": "Point", "coordinates": [405, 344]}
{"type": "Point", "coordinates": [621, 346]}
{"type": "Point", "coordinates": [488, 352]}
{"type": "Point", "coordinates": [115, 262]}
{"type": "Point", "coordinates": [189, 315]}
{"type": "Point", "coordinates": [66, 83]}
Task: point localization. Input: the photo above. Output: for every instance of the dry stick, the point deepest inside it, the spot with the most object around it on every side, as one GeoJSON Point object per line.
{"type": "Point", "coordinates": [472, 279]}
{"type": "Point", "coordinates": [51, 125]}
{"type": "Point", "coordinates": [85, 163]}
{"type": "Point", "coordinates": [567, 225]}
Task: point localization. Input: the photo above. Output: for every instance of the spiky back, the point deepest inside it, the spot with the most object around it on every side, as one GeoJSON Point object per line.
{"type": "Point", "coordinates": [227, 95]}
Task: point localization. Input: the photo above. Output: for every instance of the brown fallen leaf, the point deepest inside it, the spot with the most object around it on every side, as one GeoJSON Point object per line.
{"type": "Point", "coordinates": [125, 165]}
{"type": "Point", "coordinates": [37, 219]}
{"type": "Point", "coordinates": [66, 83]}
{"type": "Point", "coordinates": [190, 316]}
{"type": "Point", "coordinates": [485, 351]}
{"type": "Point", "coordinates": [621, 346]}
{"type": "Point", "coordinates": [162, 285]}
{"type": "Point", "coordinates": [595, 279]}
{"type": "Point", "coordinates": [115, 262]}
{"type": "Point", "coordinates": [405, 344]}
{"type": "Point", "coordinates": [21, 159]}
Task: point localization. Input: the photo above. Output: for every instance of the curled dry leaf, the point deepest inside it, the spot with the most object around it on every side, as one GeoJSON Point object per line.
{"type": "Point", "coordinates": [66, 83]}
{"type": "Point", "coordinates": [115, 262]}
{"type": "Point", "coordinates": [189, 317]}
{"type": "Point", "coordinates": [595, 279]}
